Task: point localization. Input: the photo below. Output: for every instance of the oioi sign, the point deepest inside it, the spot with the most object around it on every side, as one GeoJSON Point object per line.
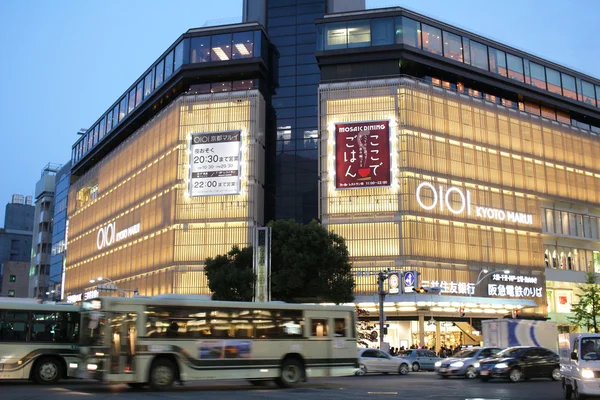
{"type": "Point", "coordinates": [107, 235]}
{"type": "Point", "coordinates": [441, 198]}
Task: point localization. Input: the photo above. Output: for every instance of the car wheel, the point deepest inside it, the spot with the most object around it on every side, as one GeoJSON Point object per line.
{"type": "Point", "coordinates": [556, 374]}
{"type": "Point", "coordinates": [485, 378]}
{"type": "Point", "coordinates": [403, 369]}
{"type": "Point", "coordinates": [567, 391]}
{"type": "Point", "coordinates": [515, 375]}
{"type": "Point", "coordinates": [471, 373]}
{"type": "Point", "coordinates": [47, 371]}
{"type": "Point", "coordinates": [292, 373]}
{"type": "Point", "coordinates": [362, 370]}
{"type": "Point", "coordinates": [416, 367]}
{"type": "Point", "coordinates": [162, 374]}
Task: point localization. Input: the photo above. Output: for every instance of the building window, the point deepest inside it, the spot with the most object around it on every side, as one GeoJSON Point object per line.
{"type": "Point", "coordinates": [123, 108]}
{"type": "Point", "coordinates": [359, 33]}
{"type": "Point", "coordinates": [242, 45]}
{"type": "Point", "coordinates": [568, 85]}
{"type": "Point", "coordinates": [200, 49]}
{"type": "Point", "coordinates": [131, 100]}
{"type": "Point", "coordinates": [479, 56]}
{"type": "Point", "coordinates": [497, 62]}
{"type": "Point", "coordinates": [221, 47]}
{"type": "Point", "coordinates": [178, 62]}
{"type": "Point", "coordinates": [336, 36]}
{"type": "Point", "coordinates": [453, 46]}
{"type": "Point", "coordinates": [11, 293]}
{"type": "Point", "coordinates": [408, 32]}
{"type": "Point", "coordinates": [102, 127]}
{"type": "Point", "coordinates": [432, 39]}
{"type": "Point", "coordinates": [139, 93]}
{"type": "Point", "coordinates": [382, 31]}
{"type": "Point", "coordinates": [148, 81]}
{"type": "Point", "coordinates": [538, 77]}
{"type": "Point", "coordinates": [169, 65]}
{"type": "Point", "coordinates": [587, 91]}
{"type": "Point", "coordinates": [13, 278]}
{"type": "Point", "coordinates": [553, 80]}
{"type": "Point", "coordinates": [159, 73]}
{"type": "Point", "coordinates": [515, 67]}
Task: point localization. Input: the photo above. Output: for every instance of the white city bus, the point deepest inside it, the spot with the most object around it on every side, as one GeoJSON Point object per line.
{"type": "Point", "coordinates": [158, 340]}
{"type": "Point", "coordinates": [38, 341]}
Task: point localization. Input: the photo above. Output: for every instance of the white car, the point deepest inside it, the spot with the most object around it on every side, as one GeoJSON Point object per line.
{"type": "Point", "coordinates": [377, 361]}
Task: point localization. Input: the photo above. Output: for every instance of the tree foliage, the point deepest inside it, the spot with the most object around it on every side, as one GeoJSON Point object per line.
{"type": "Point", "coordinates": [364, 327]}
{"type": "Point", "coordinates": [308, 264]}
{"type": "Point", "coordinates": [230, 276]}
{"type": "Point", "coordinates": [587, 310]}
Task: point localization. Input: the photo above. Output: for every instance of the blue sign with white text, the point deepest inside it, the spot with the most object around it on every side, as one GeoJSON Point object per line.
{"type": "Point", "coordinates": [409, 279]}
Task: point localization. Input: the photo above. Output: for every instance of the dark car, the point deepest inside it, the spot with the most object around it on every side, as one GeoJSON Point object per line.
{"type": "Point", "coordinates": [465, 362]}
{"type": "Point", "coordinates": [518, 363]}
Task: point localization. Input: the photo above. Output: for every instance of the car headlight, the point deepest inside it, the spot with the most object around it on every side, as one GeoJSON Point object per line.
{"type": "Point", "coordinates": [457, 364]}
{"type": "Point", "coordinates": [476, 365]}
{"type": "Point", "coordinates": [92, 367]}
{"type": "Point", "coordinates": [439, 363]}
{"type": "Point", "coordinates": [587, 373]}
{"type": "Point", "coordinates": [502, 365]}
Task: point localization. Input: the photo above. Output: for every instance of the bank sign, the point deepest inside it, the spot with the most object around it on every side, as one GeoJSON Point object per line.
{"type": "Point", "coordinates": [362, 155]}
{"type": "Point", "coordinates": [441, 198]}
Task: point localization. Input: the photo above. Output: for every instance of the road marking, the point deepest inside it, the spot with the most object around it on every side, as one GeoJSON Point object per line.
{"type": "Point", "coordinates": [382, 392]}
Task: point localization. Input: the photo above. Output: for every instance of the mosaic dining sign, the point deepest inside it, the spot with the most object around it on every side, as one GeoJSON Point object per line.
{"type": "Point", "coordinates": [362, 155]}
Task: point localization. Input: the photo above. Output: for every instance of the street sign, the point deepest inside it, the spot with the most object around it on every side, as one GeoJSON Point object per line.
{"type": "Point", "coordinates": [394, 283]}
{"type": "Point", "coordinates": [410, 280]}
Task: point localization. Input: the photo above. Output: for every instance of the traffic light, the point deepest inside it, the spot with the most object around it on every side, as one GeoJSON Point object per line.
{"type": "Point", "coordinates": [421, 290]}
{"type": "Point", "coordinates": [462, 312]}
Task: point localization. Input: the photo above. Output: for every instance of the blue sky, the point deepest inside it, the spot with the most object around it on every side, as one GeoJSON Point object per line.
{"type": "Point", "coordinates": [65, 62]}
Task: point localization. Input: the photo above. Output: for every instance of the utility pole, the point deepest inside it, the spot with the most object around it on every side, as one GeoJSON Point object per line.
{"type": "Point", "coordinates": [381, 277]}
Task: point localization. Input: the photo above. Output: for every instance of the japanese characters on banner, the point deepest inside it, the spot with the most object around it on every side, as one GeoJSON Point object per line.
{"type": "Point", "coordinates": [454, 287]}
{"type": "Point", "coordinates": [362, 155]}
{"type": "Point", "coordinates": [215, 163]}
{"type": "Point", "coordinates": [515, 286]}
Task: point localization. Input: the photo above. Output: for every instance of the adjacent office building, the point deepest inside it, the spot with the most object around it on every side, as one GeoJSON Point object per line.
{"type": "Point", "coordinates": [60, 229]}
{"type": "Point", "coordinates": [15, 247]}
{"type": "Point", "coordinates": [427, 147]}
{"type": "Point", "coordinates": [39, 274]}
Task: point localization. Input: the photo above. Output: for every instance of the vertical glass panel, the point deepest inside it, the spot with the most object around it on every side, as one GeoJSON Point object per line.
{"type": "Point", "coordinates": [515, 67]}
{"type": "Point", "coordinates": [359, 33]}
{"type": "Point", "coordinates": [116, 115]}
{"type": "Point", "coordinates": [527, 71]}
{"type": "Point", "coordinates": [131, 100]}
{"type": "Point", "coordinates": [169, 64]}
{"type": "Point", "coordinates": [200, 49]}
{"type": "Point", "coordinates": [553, 80]}
{"type": "Point", "coordinates": [587, 90]}
{"type": "Point", "coordinates": [148, 84]}
{"type": "Point", "coordinates": [408, 32]}
{"type": "Point", "coordinates": [103, 127]}
{"type": "Point", "coordinates": [453, 46]}
{"type": "Point", "coordinates": [159, 73]}
{"type": "Point", "coordinates": [597, 96]}
{"type": "Point", "coordinates": [221, 47]}
{"type": "Point", "coordinates": [432, 39]}
{"type": "Point", "coordinates": [139, 93]}
{"type": "Point", "coordinates": [178, 56]}
{"type": "Point", "coordinates": [258, 38]}
{"type": "Point", "coordinates": [497, 61]}
{"type": "Point", "coordinates": [479, 56]}
{"type": "Point", "coordinates": [568, 85]}
{"type": "Point", "coordinates": [123, 108]}
{"type": "Point", "coordinates": [382, 31]}
{"type": "Point", "coordinates": [467, 50]}
{"type": "Point", "coordinates": [538, 77]}
{"type": "Point", "coordinates": [336, 36]}
{"type": "Point", "coordinates": [242, 45]}
{"type": "Point", "coordinates": [319, 37]}
{"type": "Point", "coordinates": [109, 121]}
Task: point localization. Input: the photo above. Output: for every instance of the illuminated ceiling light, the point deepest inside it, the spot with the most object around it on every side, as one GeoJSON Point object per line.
{"type": "Point", "coordinates": [220, 53]}
{"type": "Point", "coordinates": [242, 49]}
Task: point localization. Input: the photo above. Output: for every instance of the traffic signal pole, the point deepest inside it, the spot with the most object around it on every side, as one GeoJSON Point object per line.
{"type": "Point", "coordinates": [380, 280]}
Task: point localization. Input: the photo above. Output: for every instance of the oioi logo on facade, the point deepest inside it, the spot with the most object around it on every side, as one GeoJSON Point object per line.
{"type": "Point", "coordinates": [441, 199]}
{"type": "Point", "coordinates": [107, 235]}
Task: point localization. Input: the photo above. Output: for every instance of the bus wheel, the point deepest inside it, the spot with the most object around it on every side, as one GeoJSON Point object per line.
{"type": "Point", "coordinates": [162, 374]}
{"type": "Point", "coordinates": [46, 371]}
{"type": "Point", "coordinates": [292, 373]}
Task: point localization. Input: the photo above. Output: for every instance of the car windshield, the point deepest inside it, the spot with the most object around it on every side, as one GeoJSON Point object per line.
{"type": "Point", "coordinates": [465, 353]}
{"type": "Point", "coordinates": [509, 352]}
{"type": "Point", "coordinates": [590, 349]}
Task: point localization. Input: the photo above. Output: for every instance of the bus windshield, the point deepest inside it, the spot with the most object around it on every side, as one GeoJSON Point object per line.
{"type": "Point", "coordinates": [92, 329]}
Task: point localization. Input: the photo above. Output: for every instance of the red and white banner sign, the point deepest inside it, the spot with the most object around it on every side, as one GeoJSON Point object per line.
{"type": "Point", "coordinates": [362, 154]}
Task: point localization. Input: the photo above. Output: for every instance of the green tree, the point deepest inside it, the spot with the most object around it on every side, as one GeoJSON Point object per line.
{"type": "Point", "coordinates": [230, 276]}
{"type": "Point", "coordinates": [587, 310]}
{"type": "Point", "coordinates": [364, 327]}
{"type": "Point", "coordinates": [309, 263]}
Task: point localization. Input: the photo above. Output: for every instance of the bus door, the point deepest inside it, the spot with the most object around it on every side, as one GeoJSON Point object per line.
{"type": "Point", "coordinates": [123, 333]}
{"type": "Point", "coordinates": [320, 326]}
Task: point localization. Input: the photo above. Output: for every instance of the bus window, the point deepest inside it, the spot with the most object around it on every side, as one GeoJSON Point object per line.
{"type": "Point", "coordinates": [319, 327]}
{"type": "Point", "coordinates": [340, 327]}
{"type": "Point", "coordinates": [14, 326]}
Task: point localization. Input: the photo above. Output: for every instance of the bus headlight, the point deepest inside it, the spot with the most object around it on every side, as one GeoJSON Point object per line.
{"type": "Point", "coordinates": [92, 367]}
{"type": "Point", "coordinates": [587, 373]}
